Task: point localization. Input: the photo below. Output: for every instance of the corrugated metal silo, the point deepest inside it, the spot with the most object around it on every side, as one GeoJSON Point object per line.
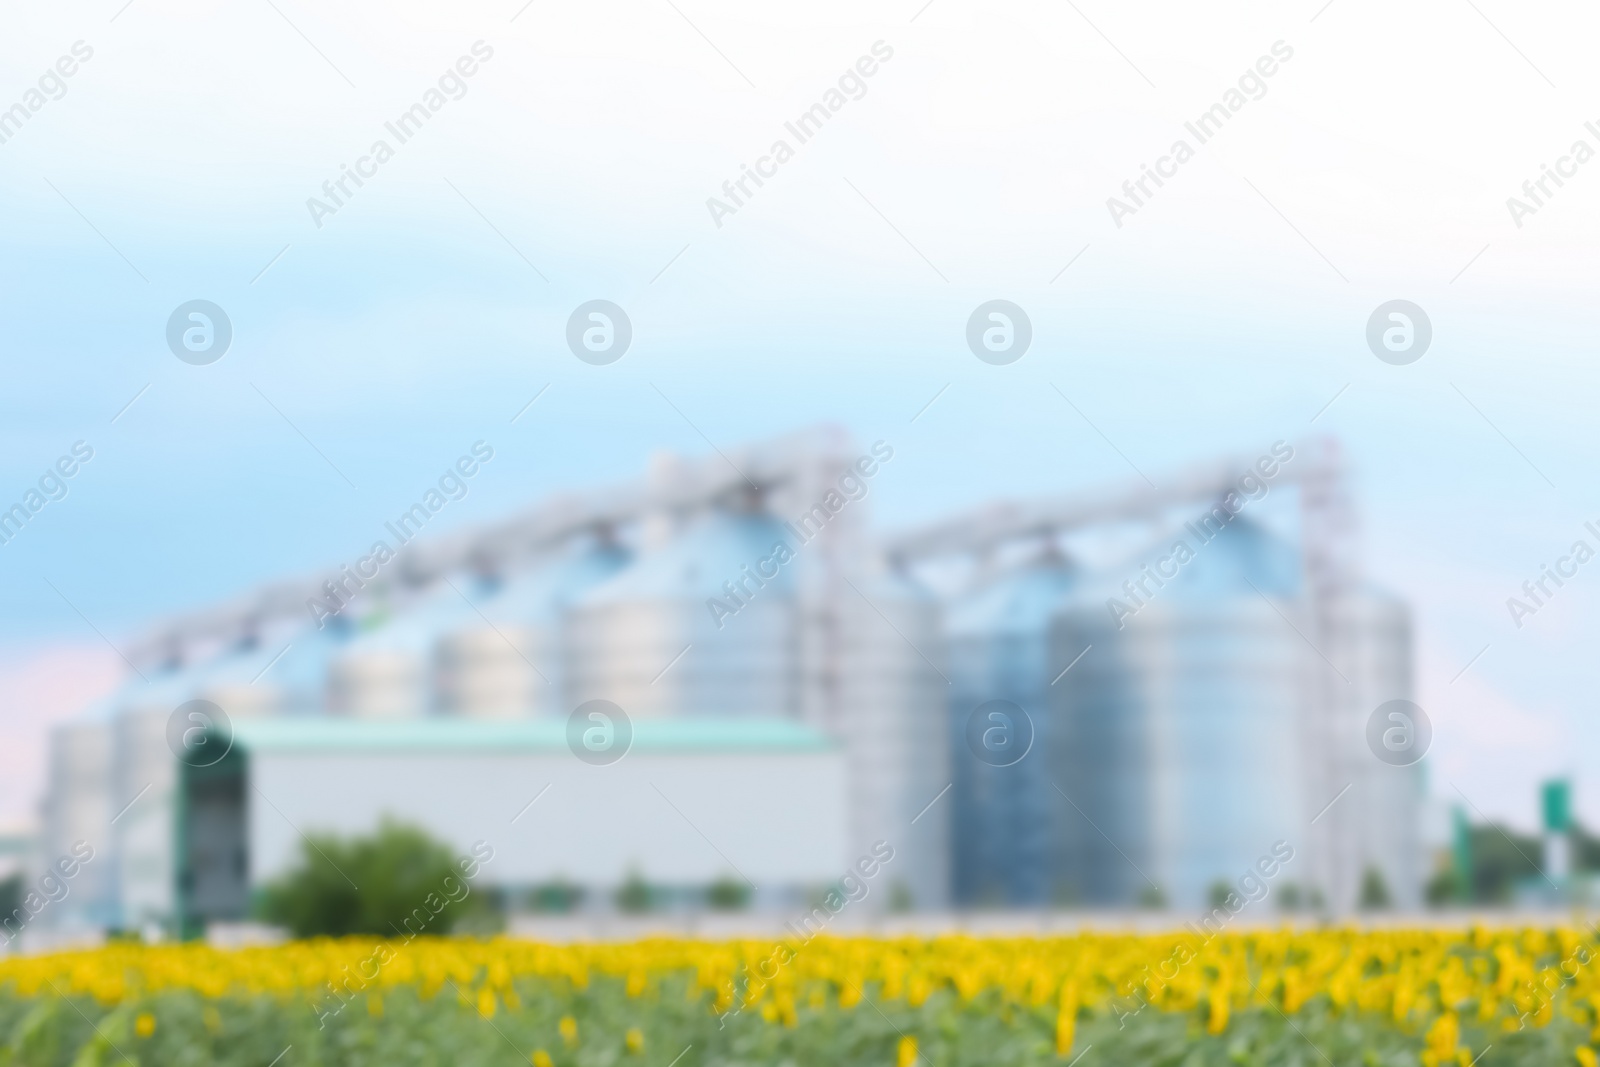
{"type": "Point", "coordinates": [1182, 725]}
{"type": "Point", "coordinates": [241, 681]}
{"type": "Point", "coordinates": [300, 675]}
{"type": "Point", "coordinates": [654, 640]}
{"type": "Point", "coordinates": [507, 662]}
{"type": "Point", "coordinates": [998, 639]}
{"type": "Point", "coordinates": [78, 808]}
{"type": "Point", "coordinates": [383, 672]}
{"type": "Point", "coordinates": [1376, 825]}
{"type": "Point", "coordinates": [894, 696]}
{"type": "Point", "coordinates": [91, 796]}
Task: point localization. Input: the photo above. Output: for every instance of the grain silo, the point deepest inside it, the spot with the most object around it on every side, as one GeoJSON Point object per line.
{"type": "Point", "coordinates": [78, 808]}
{"type": "Point", "coordinates": [702, 624]}
{"type": "Point", "coordinates": [1002, 802]}
{"type": "Point", "coordinates": [1182, 725]}
{"type": "Point", "coordinates": [92, 797]}
{"type": "Point", "coordinates": [383, 671]}
{"type": "Point", "coordinates": [1375, 823]}
{"type": "Point", "coordinates": [505, 661]}
{"type": "Point", "coordinates": [892, 715]}
{"type": "Point", "coordinates": [299, 676]}
{"type": "Point", "coordinates": [241, 681]}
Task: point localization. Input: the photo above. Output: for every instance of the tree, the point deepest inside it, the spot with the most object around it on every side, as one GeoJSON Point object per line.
{"type": "Point", "coordinates": [10, 896]}
{"type": "Point", "coordinates": [1500, 859]}
{"type": "Point", "coordinates": [728, 894]}
{"type": "Point", "coordinates": [1374, 891]}
{"type": "Point", "coordinates": [559, 896]}
{"type": "Point", "coordinates": [1151, 896]}
{"type": "Point", "coordinates": [372, 885]}
{"type": "Point", "coordinates": [635, 896]}
{"type": "Point", "coordinates": [1443, 888]}
{"type": "Point", "coordinates": [1585, 849]}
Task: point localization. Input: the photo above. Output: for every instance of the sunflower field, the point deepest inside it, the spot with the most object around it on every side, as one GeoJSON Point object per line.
{"type": "Point", "coordinates": [1289, 997]}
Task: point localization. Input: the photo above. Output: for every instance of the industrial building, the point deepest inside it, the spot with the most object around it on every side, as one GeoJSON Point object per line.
{"type": "Point", "coordinates": [789, 708]}
{"type": "Point", "coordinates": [514, 786]}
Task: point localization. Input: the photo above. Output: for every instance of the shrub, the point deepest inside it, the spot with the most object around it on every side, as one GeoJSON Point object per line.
{"type": "Point", "coordinates": [371, 885]}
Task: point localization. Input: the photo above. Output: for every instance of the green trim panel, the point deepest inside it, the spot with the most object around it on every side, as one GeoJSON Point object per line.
{"type": "Point", "coordinates": [540, 735]}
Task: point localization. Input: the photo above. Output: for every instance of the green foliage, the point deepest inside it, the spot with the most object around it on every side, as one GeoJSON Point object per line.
{"type": "Point", "coordinates": [407, 1029]}
{"type": "Point", "coordinates": [1585, 849]}
{"type": "Point", "coordinates": [10, 895]}
{"type": "Point", "coordinates": [1218, 894]}
{"type": "Point", "coordinates": [559, 897]}
{"type": "Point", "coordinates": [635, 896]}
{"type": "Point", "coordinates": [1445, 887]}
{"type": "Point", "coordinates": [1290, 898]}
{"type": "Point", "coordinates": [1152, 897]}
{"type": "Point", "coordinates": [728, 894]}
{"type": "Point", "coordinates": [372, 885]}
{"type": "Point", "coordinates": [1500, 859]}
{"type": "Point", "coordinates": [1374, 894]}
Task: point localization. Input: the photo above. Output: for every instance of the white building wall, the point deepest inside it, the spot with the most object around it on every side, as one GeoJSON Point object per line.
{"type": "Point", "coordinates": [776, 818]}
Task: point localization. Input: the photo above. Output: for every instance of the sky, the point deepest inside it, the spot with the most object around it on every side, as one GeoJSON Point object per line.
{"type": "Point", "coordinates": [373, 345]}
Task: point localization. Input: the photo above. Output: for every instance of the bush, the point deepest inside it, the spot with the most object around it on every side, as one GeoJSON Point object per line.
{"type": "Point", "coordinates": [1151, 897]}
{"type": "Point", "coordinates": [728, 894]}
{"type": "Point", "coordinates": [1374, 891]}
{"type": "Point", "coordinates": [635, 897]}
{"type": "Point", "coordinates": [371, 885]}
{"type": "Point", "coordinates": [558, 897]}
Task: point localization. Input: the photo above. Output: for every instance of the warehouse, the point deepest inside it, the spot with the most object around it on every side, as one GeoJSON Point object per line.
{"type": "Point", "coordinates": [692, 802]}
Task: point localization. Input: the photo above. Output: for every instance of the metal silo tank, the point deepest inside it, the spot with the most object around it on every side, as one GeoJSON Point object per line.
{"type": "Point", "coordinates": [242, 681]}
{"type": "Point", "coordinates": [690, 627]}
{"type": "Point", "coordinates": [300, 675]}
{"type": "Point", "coordinates": [383, 672]}
{"type": "Point", "coordinates": [507, 662]}
{"type": "Point", "coordinates": [78, 808]}
{"type": "Point", "coordinates": [1183, 722]}
{"type": "Point", "coordinates": [87, 793]}
{"type": "Point", "coordinates": [144, 785]}
{"type": "Point", "coordinates": [998, 640]}
{"type": "Point", "coordinates": [1376, 824]}
{"type": "Point", "coordinates": [893, 715]}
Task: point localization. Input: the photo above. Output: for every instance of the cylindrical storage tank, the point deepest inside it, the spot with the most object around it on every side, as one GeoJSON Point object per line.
{"type": "Point", "coordinates": [1182, 723]}
{"type": "Point", "coordinates": [383, 672]}
{"type": "Point", "coordinates": [703, 624]}
{"type": "Point", "coordinates": [506, 662]}
{"type": "Point", "coordinates": [894, 696]}
{"type": "Point", "coordinates": [300, 675]}
{"type": "Point", "coordinates": [144, 783]}
{"type": "Point", "coordinates": [77, 823]}
{"type": "Point", "coordinates": [1376, 825]}
{"type": "Point", "coordinates": [1003, 803]}
{"type": "Point", "coordinates": [241, 681]}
